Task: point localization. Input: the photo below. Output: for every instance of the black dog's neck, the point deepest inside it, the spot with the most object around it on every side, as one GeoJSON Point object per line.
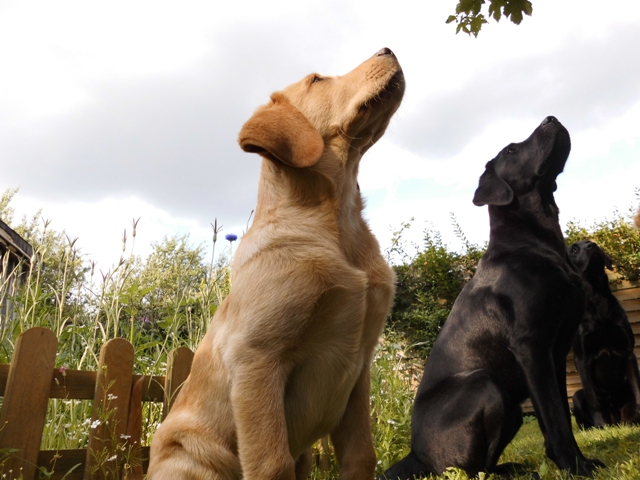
{"type": "Point", "coordinates": [527, 217]}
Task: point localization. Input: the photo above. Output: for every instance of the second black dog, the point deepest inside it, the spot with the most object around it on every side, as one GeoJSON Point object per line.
{"type": "Point", "coordinates": [603, 348]}
{"type": "Point", "coordinates": [510, 329]}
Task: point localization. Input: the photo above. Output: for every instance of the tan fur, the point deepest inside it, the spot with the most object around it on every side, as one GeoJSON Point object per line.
{"type": "Point", "coordinates": [287, 356]}
{"type": "Point", "coordinates": [636, 219]}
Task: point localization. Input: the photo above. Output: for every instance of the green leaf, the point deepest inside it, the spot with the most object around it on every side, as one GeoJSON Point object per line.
{"type": "Point", "coordinates": [476, 24]}
{"type": "Point", "coordinates": [451, 18]}
{"type": "Point", "coordinates": [542, 471]}
{"type": "Point", "coordinates": [147, 345]}
{"type": "Point", "coordinates": [516, 17]}
{"type": "Point", "coordinates": [495, 9]}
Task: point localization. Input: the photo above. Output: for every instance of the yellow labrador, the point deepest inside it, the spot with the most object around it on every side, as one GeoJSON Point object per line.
{"type": "Point", "coordinates": [286, 359]}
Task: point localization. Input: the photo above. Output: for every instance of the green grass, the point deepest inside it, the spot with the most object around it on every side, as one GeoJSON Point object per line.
{"type": "Point", "coordinates": [392, 397]}
{"type": "Point", "coordinates": [395, 376]}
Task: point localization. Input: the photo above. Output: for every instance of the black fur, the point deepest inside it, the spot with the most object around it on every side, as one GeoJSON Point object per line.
{"type": "Point", "coordinates": [510, 329]}
{"type": "Point", "coordinates": [603, 348]}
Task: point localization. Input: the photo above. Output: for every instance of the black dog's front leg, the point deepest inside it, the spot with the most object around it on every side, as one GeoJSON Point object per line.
{"type": "Point", "coordinates": [633, 377]}
{"type": "Point", "coordinates": [585, 369]}
{"type": "Point", "coordinates": [559, 441]}
{"type": "Point", "coordinates": [561, 380]}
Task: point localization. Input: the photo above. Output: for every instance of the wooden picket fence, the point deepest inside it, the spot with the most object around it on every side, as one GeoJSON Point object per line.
{"type": "Point", "coordinates": [31, 380]}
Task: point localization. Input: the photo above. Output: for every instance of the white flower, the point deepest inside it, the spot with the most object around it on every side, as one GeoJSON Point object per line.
{"type": "Point", "coordinates": [111, 397]}
{"type": "Point", "coordinates": [125, 437]}
{"type": "Point", "coordinates": [111, 459]}
{"type": "Point", "coordinates": [95, 424]}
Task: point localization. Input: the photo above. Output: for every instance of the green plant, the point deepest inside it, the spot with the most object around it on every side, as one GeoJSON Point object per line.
{"type": "Point", "coordinates": [86, 307]}
{"type": "Point", "coordinates": [470, 21]}
{"type": "Point", "coordinates": [428, 282]}
{"type": "Point", "coordinates": [616, 236]}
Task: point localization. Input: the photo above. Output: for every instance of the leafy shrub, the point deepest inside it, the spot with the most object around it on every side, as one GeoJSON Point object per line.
{"type": "Point", "coordinates": [617, 237]}
{"type": "Point", "coordinates": [430, 279]}
{"type": "Point", "coordinates": [428, 283]}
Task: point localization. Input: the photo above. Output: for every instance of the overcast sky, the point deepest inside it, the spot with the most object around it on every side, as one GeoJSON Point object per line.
{"type": "Point", "coordinates": [116, 110]}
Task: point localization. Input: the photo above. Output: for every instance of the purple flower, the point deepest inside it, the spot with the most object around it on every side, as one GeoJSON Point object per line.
{"type": "Point", "coordinates": [145, 320]}
{"type": "Point", "coordinates": [63, 370]}
{"type": "Point", "coordinates": [232, 237]}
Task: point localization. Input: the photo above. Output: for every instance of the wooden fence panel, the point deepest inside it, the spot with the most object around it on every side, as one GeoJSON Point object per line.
{"type": "Point", "coordinates": [24, 408]}
{"type": "Point", "coordinates": [30, 381]}
{"type": "Point", "coordinates": [178, 368]}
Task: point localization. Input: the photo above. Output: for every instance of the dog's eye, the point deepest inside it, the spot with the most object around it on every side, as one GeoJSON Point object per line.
{"type": "Point", "coordinates": [316, 78]}
{"type": "Point", "coordinates": [574, 249]}
{"type": "Point", "coordinates": [511, 150]}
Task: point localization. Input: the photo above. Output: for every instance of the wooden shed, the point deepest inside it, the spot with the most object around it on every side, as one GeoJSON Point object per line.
{"type": "Point", "coordinates": [15, 256]}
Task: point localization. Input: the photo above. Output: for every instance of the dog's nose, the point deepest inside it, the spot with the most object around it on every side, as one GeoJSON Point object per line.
{"type": "Point", "coordinates": [384, 51]}
{"type": "Point", "coordinates": [549, 119]}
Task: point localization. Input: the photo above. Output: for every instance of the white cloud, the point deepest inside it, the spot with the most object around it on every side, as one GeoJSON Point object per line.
{"type": "Point", "coordinates": [112, 110]}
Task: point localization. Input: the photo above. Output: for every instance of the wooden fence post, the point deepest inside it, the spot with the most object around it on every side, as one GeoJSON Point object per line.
{"type": "Point", "coordinates": [26, 400]}
{"type": "Point", "coordinates": [178, 367]}
{"type": "Point", "coordinates": [110, 409]}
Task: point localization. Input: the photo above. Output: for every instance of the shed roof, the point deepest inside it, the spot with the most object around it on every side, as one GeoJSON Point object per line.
{"type": "Point", "coordinates": [13, 242]}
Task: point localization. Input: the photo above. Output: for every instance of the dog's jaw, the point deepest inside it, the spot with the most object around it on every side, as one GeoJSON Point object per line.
{"type": "Point", "coordinates": [376, 109]}
{"type": "Point", "coordinates": [557, 157]}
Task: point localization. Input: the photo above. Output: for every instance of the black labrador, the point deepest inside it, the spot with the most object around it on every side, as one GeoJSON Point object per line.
{"type": "Point", "coordinates": [603, 348]}
{"type": "Point", "coordinates": [510, 329]}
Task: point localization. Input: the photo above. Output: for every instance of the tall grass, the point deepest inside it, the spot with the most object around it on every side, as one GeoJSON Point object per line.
{"type": "Point", "coordinates": [85, 308]}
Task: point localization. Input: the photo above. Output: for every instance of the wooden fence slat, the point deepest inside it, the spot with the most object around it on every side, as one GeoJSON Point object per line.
{"type": "Point", "coordinates": [152, 387]}
{"type": "Point", "coordinates": [81, 384]}
{"type": "Point", "coordinates": [75, 384]}
{"type": "Point", "coordinates": [625, 295]}
{"type": "Point", "coordinates": [631, 305]}
{"type": "Point", "coordinates": [26, 399]}
{"type": "Point", "coordinates": [178, 367]}
{"type": "Point", "coordinates": [110, 407]}
{"type": "Point", "coordinates": [4, 376]}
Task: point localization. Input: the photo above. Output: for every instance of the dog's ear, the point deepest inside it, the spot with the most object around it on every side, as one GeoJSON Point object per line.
{"type": "Point", "coordinates": [608, 263]}
{"type": "Point", "coordinates": [281, 132]}
{"type": "Point", "coordinates": [492, 190]}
